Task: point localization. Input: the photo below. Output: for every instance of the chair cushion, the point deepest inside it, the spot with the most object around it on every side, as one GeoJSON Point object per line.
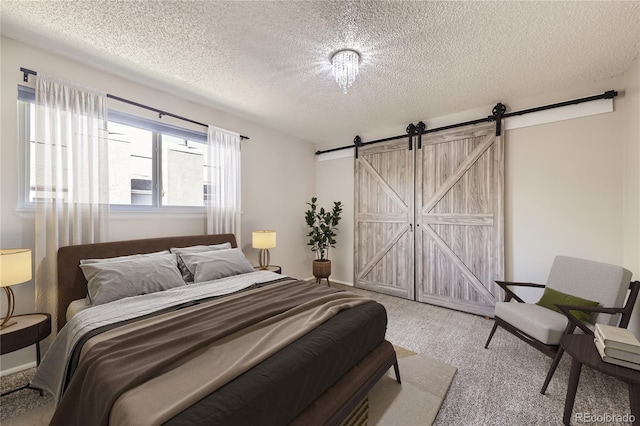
{"type": "Point", "coordinates": [607, 284]}
{"type": "Point", "coordinates": [552, 297]}
{"type": "Point", "coordinates": [538, 322]}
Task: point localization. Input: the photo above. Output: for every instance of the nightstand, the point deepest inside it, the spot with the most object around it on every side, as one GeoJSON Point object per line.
{"type": "Point", "coordinates": [273, 268]}
{"type": "Point", "coordinates": [29, 330]}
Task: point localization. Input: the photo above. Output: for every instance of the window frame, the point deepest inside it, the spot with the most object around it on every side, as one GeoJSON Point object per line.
{"type": "Point", "coordinates": [26, 96]}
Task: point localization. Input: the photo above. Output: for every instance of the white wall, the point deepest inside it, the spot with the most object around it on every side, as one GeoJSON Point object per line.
{"type": "Point", "coordinates": [571, 186]}
{"type": "Point", "coordinates": [332, 185]}
{"type": "Point", "coordinates": [278, 172]}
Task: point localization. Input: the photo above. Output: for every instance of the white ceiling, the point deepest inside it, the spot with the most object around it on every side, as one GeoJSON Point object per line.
{"type": "Point", "coordinates": [269, 61]}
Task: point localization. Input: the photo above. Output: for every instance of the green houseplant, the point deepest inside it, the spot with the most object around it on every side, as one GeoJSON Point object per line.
{"type": "Point", "coordinates": [322, 232]}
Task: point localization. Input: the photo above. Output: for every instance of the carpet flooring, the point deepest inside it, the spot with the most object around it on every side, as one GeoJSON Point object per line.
{"type": "Point", "coordinates": [21, 401]}
{"type": "Point", "coordinates": [499, 385]}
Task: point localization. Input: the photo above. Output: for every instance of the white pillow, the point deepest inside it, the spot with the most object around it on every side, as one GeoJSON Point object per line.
{"type": "Point", "coordinates": [119, 258]}
{"type": "Point", "coordinates": [187, 276]}
{"type": "Point", "coordinates": [109, 281]}
{"type": "Point", "coordinates": [212, 265]}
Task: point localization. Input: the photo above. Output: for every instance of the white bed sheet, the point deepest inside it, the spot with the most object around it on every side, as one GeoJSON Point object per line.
{"type": "Point", "coordinates": [76, 306]}
{"type": "Point", "coordinates": [52, 369]}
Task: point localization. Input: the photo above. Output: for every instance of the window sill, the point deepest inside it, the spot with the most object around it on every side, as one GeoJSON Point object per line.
{"type": "Point", "coordinates": [134, 213]}
{"type": "Point", "coordinates": [145, 214]}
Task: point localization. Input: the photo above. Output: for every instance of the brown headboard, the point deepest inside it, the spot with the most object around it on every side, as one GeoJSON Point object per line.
{"type": "Point", "coordinates": [72, 284]}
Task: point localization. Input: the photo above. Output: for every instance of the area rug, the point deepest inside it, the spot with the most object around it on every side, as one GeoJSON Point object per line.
{"type": "Point", "coordinates": [425, 383]}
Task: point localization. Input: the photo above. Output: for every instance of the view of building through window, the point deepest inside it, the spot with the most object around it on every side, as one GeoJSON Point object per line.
{"type": "Point", "coordinates": [130, 165]}
{"type": "Point", "coordinates": [146, 167]}
{"type": "Point", "coordinates": [184, 172]}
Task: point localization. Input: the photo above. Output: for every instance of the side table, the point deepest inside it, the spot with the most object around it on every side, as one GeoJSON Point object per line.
{"type": "Point", "coordinates": [273, 268]}
{"type": "Point", "coordinates": [583, 352]}
{"type": "Point", "coordinates": [28, 330]}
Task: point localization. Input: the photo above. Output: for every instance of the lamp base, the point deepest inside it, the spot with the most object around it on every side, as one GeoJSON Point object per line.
{"type": "Point", "coordinates": [9, 324]}
{"type": "Point", "coordinates": [11, 303]}
{"type": "Point", "coordinates": [264, 258]}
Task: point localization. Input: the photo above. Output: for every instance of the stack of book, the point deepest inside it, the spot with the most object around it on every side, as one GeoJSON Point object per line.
{"type": "Point", "coordinates": [618, 346]}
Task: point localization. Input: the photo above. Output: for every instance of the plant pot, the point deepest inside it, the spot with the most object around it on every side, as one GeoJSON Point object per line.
{"type": "Point", "coordinates": [321, 268]}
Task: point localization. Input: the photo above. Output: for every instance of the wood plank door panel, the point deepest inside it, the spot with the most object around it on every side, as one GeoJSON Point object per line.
{"type": "Point", "coordinates": [459, 219]}
{"type": "Point", "coordinates": [384, 208]}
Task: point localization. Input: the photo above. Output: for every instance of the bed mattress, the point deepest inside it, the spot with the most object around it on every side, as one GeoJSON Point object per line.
{"type": "Point", "coordinates": [296, 375]}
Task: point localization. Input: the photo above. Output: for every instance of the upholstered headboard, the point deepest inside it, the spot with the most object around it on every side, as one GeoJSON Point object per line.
{"type": "Point", "coordinates": [72, 284]}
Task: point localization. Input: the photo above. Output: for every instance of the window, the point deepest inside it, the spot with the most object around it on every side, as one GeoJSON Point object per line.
{"type": "Point", "coordinates": [130, 165]}
{"type": "Point", "coordinates": [151, 165]}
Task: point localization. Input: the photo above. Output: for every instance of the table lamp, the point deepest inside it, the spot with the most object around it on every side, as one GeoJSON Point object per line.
{"type": "Point", "coordinates": [264, 240]}
{"type": "Point", "coordinates": [15, 268]}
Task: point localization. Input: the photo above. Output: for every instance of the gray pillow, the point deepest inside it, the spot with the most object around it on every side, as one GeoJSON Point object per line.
{"type": "Point", "coordinates": [213, 265]}
{"type": "Point", "coordinates": [109, 281]}
{"type": "Point", "coordinates": [187, 276]}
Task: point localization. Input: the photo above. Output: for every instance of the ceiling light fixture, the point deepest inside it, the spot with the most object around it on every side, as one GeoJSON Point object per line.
{"type": "Point", "coordinates": [345, 67]}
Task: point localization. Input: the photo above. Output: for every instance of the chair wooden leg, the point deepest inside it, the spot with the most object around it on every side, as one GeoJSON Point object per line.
{"type": "Point", "coordinates": [493, 330]}
{"type": "Point", "coordinates": [552, 369]}
{"type": "Point", "coordinates": [397, 371]}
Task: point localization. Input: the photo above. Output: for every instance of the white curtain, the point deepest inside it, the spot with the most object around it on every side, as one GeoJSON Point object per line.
{"type": "Point", "coordinates": [71, 177]}
{"type": "Point", "coordinates": [223, 208]}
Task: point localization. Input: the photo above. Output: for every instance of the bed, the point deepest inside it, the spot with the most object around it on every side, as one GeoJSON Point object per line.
{"type": "Point", "coordinates": [251, 348]}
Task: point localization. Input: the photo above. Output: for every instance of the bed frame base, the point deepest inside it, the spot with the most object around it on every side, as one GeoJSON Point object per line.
{"type": "Point", "coordinates": [337, 402]}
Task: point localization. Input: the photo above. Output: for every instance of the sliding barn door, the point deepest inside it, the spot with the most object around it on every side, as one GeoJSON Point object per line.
{"type": "Point", "coordinates": [384, 208]}
{"type": "Point", "coordinates": [459, 219]}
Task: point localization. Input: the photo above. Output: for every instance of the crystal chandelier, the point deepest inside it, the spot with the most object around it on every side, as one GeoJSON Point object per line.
{"type": "Point", "coordinates": [345, 67]}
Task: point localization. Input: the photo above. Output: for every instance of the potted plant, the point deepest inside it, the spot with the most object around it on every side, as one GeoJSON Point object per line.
{"type": "Point", "coordinates": [323, 226]}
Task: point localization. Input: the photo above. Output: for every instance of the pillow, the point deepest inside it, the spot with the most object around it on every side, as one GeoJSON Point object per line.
{"type": "Point", "coordinates": [119, 258]}
{"type": "Point", "coordinates": [212, 265]}
{"type": "Point", "coordinates": [550, 298]}
{"type": "Point", "coordinates": [187, 276]}
{"type": "Point", "coordinates": [109, 281]}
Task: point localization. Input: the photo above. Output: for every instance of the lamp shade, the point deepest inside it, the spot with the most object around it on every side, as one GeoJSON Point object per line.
{"type": "Point", "coordinates": [15, 266]}
{"type": "Point", "coordinates": [263, 239]}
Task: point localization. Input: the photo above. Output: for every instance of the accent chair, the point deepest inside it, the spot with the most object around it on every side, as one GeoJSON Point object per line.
{"type": "Point", "coordinates": [542, 327]}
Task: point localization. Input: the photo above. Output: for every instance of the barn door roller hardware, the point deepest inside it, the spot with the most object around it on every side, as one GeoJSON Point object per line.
{"type": "Point", "coordinates": [420, 128]}
{"type": "Point", "coordinates": [357, 142]}
{"type": "Point", "coordinates": [411, 131]}
{"type": "Point", "coordinates": [498, 111]}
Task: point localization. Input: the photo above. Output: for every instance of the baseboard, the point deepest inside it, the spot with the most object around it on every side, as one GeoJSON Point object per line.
{"type": "Point", "coordinates": [342, 282]}
{"type": "Point", "coordinates": [332, 280]}
{"type": "Point", "coordinates": [17, 369]}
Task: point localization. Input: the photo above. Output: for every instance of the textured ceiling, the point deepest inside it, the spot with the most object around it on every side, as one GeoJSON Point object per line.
{"type": "Point", "coordinates": [269, 61]}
